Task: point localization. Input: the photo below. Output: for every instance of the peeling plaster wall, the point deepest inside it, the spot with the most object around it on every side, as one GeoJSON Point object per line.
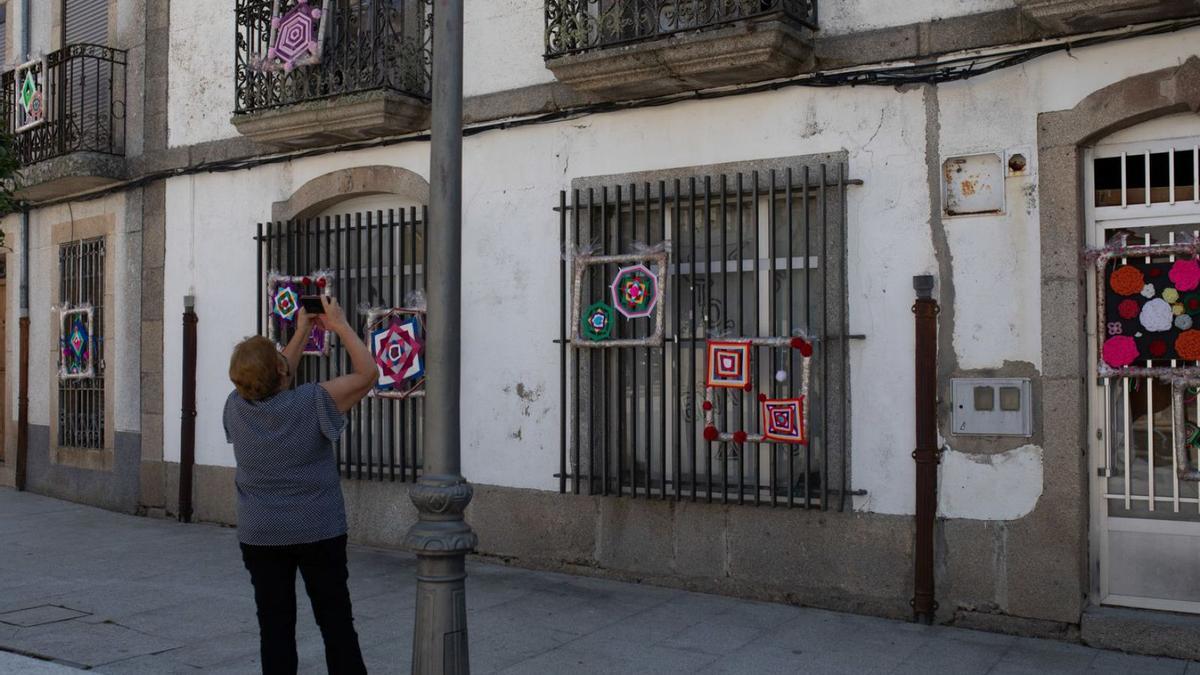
{"type": "Point", "coordinates": [511, 432]}
{"type": "Point", "coordinates": [1002, 486]}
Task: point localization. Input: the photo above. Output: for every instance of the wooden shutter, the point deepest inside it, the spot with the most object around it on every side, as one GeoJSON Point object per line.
{"type": "Point", "coordinates": [86, 21]}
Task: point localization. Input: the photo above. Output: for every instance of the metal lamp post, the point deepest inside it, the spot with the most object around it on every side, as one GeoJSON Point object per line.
{"type": "Point", "coordinates": [441, 538]}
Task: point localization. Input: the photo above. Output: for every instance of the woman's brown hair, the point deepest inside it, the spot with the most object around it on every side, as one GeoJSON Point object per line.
{"type": "Point", "coordinates": [254, 368]}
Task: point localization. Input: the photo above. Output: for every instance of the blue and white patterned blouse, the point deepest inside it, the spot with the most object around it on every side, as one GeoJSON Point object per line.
{"type": "Point", "coordinates": [288, 487]}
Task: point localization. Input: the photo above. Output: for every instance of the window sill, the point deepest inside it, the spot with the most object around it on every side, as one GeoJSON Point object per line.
{"type": "Point", "coordinates": [746, 52]}
{"type": "Point", "coordinates": [93, 459]}
{"type": "Point", "coordinates": [371, 114]}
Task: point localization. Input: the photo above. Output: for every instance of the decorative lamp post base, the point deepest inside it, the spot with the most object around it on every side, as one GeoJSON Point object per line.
{"type": "Point", "coordinates": [441, 539]}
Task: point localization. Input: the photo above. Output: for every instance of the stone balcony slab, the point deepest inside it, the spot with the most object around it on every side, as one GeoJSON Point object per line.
{"type": "Point", "coordinates": [69, 174]}
{"type": "Point", "coordinates": [749, 51]}
{"type": "Point", "coordinates": [1078, 16]}
{"type": "Point", "coordinates": [381, 112]}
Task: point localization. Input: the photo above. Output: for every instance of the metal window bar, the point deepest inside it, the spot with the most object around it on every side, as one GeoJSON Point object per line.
{"type": "Point", "coordinates": [376, 259]}
{"type": "Point", "coordinates": [751, 255]}
{"type": "Point", "coordinates": [84, 90]}
{"type": "Point", "coordinates": [1165, 176]}
{"type": "Point", "coordinates": [369, 45]}
{"type": "Point", "coordinates": [81, 421]}
{"type": "Point", "coordinates": [576, 26]}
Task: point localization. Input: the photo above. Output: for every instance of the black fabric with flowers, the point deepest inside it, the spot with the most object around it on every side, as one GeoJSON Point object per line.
{"type": "Point", "coordinates": [1152, 312]}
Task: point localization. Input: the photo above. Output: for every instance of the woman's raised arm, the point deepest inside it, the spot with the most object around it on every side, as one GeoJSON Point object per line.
{"type": "Point", "coordinates": [348, 390]}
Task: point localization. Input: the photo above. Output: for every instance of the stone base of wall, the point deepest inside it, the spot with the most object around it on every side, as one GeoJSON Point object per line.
{"type": "Point", "coordinates": [1142, 632]}
{"type": "Point", "coordinates": [114, 488]}
{"type": "Point", "coordinates": [850, 562]}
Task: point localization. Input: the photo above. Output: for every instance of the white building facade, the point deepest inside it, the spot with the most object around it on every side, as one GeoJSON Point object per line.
{"type": "Point", "coordinates": [800, 164]}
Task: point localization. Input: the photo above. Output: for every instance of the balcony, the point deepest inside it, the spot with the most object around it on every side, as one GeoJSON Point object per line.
{"type": "Point", "coordinates": [72, 137]}
{"type": "Point", "coordinates": [623, 49]}
{"type": "Point", "coordinates": [1079, 16]}
{"type": "Point", "coordinates": [372, 80]}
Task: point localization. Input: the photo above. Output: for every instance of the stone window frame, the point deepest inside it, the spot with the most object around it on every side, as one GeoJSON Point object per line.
{"type": "Point", "coordinates": [1063, 514]}
{"type": "Point", "coordinates": [102, 459]}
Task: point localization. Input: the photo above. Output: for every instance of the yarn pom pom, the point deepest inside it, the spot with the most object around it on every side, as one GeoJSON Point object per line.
{"type": "Point", "coordinates": [804, 346]}
{"type": "Point", "coordinates": [707, 405]}
{"type": "Point", "coordinates": [739, 437]}
{"type": "Point", "coordinates": [1185, 274]}
{"type": "Point", "coordinates": [1128, 280]}
{"type": "Point", "coordinates": [762, 398]}
{"type": "Point", "coordinates": [780, 375]}
{"type": "Point", "coordinates": [748, 387]}
{"type": "Point", "coordinates": [711, 434]}
{"type": "Point", "coordinates": [1121, 350]}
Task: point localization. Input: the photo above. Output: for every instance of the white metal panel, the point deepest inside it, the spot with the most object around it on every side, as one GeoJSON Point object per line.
{"type": "Point", "coordinates": [1161, 565]}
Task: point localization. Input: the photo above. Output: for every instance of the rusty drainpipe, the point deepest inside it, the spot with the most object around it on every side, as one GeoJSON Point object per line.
{"type": "Point", "coordinates": [927, 454]}
{"type": "Point", "coordinates": [21, 464]}
{"type": "Point", "coordinates": [187, 424]}
{"type": "Point", "coordinates": [21, 469]}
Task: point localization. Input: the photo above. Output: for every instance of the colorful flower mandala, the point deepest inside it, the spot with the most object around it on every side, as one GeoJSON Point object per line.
{"type": "Point", "coordinates": [286, 304]}
{"type": "Point", "coordinates": [635, 291]}
{"type": "Point", "coordinates": [596, 322]}
{"type": "Point", "coordinates": [399, 351]}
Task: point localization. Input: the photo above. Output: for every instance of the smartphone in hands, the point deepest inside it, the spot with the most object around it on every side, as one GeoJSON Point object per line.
{"type": "Point", "coordinates": [312, 304]}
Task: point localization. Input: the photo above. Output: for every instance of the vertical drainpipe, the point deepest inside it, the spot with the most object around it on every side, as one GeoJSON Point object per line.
{"type": "Point", "coordinates": [23, 365]}
{"type": "Point", "coordinates": [926, 453]}
{"type": "Point", "coordinates": [23, 349]}
{"type": "Point", "coordinates": [187, 425]}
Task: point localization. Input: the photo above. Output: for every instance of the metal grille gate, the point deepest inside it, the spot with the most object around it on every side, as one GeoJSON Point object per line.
{"type": "Point", "coordinates": [751, 255]}
{"type": "Point", "coordinates": [1146, 520]}
{"type": "Point", "coordinates": [376, 259]}
{"type": "Point", "coordinates": [81, 402]}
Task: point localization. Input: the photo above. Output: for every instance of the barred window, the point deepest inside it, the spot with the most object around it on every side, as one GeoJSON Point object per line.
{"type": "Point", "coordinates": [81, 401]}
{"type": "Point", "coordinates": [376, 258]}
{"type": "Point", "coordinates": [751, 255]}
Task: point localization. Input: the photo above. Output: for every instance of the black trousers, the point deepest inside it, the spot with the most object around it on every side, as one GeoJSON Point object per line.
{"type": "Point", "coordinates": [322, 564]}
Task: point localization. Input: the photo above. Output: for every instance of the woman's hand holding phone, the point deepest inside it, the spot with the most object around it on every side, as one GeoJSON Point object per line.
{"type": "Point", "coordinates": [334, 317]}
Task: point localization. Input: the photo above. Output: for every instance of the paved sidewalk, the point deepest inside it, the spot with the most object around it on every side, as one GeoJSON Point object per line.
{"type": "Point", "coordinates": [117, 594]}
{"type": "Point", "coordinates": [15, 664]}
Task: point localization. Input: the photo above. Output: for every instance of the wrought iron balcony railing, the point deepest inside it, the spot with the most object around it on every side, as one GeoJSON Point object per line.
{"type": "Point", "coordinates": [575, 26]}
{"type": "Point", "coordinates": [80, 104]}
{"type": "Point", "coordinates": [368, 45]}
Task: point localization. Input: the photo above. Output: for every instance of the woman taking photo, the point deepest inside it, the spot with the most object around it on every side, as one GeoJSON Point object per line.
{"type": "Point", "coordinates": [291, 514]}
